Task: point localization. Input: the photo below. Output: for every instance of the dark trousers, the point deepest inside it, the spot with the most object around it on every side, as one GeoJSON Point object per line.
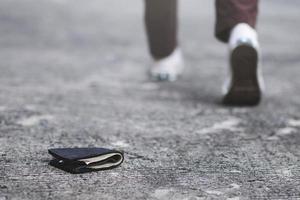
{"type": "Point", "coordinates": [161, 22]}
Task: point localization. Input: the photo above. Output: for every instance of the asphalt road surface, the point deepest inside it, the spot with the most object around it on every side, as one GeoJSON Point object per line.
{"type": "Point", "coordinates": [72, 74]}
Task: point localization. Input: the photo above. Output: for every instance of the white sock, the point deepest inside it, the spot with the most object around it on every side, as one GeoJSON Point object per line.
{"type": "Point", "coordinates": [243, 32]}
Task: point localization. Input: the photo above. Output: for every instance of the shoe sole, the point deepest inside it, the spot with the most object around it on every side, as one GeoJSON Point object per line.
{"type": "Point", "coordinates": [245, 89]}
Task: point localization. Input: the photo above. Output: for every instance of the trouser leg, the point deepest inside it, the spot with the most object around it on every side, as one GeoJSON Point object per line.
{"type": "Point", "coordinates": [161, 26]}
{"type": "Point", "coordinates": [231, 12]}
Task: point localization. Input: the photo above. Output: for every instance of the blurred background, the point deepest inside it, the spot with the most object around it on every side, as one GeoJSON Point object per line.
{"type": "Point", "coordinates": [45, 41]}
{"type": "Point", "coordinates": [73, 73]}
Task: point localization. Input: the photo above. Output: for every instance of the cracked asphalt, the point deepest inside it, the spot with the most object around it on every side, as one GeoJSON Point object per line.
{"type": "Point", "coordinates": [72, 74]}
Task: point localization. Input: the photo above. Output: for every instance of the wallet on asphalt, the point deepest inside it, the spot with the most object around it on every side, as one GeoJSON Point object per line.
{"type": "Point", "coordinates": [82, 160]}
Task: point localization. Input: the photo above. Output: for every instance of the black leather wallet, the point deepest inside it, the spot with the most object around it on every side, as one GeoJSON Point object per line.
{"type": "Point", "coordinates": [82, 160]}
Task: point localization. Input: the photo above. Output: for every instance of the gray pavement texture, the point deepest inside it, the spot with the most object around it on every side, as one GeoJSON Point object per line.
{"type": "Point", "coordinates": [72, 74]}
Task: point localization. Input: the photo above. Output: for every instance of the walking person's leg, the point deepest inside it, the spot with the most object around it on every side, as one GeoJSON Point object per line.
{"type": "Point", "coordinates": [236, 21]}
{"type": "Point", "coordinates": [230, 13]}
{"type": "Point", "coordinates": [161, 27]}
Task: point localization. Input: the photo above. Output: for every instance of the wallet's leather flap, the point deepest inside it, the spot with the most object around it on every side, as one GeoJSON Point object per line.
{"type": "Point", "coordinates": [73, 154]}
